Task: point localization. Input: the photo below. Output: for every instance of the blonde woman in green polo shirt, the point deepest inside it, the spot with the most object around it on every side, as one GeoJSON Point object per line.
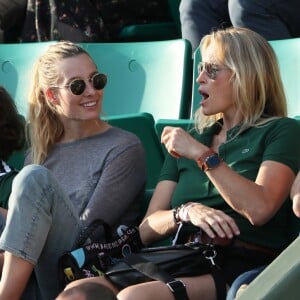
{"type": "Point", "coordinates": [231, 176]}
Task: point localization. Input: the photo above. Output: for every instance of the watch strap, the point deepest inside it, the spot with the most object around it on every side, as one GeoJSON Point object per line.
{"type": "Point", "coordinates": [208, 160]}
{"type": "Point", "coordinates": [204, 156]}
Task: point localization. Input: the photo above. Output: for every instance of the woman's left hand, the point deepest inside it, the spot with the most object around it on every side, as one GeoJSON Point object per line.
{"type": "Point", "coordinates": [215, 223]}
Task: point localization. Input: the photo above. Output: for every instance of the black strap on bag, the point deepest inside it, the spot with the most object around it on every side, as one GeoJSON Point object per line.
{"type": "Point", "coordinates": [177, 287]}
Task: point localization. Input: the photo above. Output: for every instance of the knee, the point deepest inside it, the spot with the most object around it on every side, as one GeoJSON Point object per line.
{"type": "Point", "coordinates": [130, 293]}
{"type": "Point", "coordinates": [31, 173]}
{"type": "Point", "coordinates": [31, 178]}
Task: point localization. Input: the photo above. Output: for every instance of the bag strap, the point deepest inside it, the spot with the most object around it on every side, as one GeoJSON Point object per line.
{"type": "Point", "coordinates": [151, 270]}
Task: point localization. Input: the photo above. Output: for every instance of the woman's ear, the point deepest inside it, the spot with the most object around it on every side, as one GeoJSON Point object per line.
{"type": "Point", "coordinates": [51, 96]}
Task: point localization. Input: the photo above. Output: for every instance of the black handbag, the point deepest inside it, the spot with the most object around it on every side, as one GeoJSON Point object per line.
{"type": "Point", "coordinates": [93, 258]}
{"type": "Point", "coordinates": [163, 263]}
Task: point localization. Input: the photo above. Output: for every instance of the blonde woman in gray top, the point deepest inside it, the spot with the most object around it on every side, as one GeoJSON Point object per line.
{"type": "Point", "coordinates": [82, 170]}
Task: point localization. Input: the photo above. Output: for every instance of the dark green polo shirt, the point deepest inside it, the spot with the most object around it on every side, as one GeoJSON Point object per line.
{"type": "Point", "coordinates": [278, 140]}
{"type": "Point", "coordinates": [6, 179]}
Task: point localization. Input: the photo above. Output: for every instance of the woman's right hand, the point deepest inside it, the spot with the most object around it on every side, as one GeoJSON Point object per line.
{"type": "Point", "coordinates": [214, 223]}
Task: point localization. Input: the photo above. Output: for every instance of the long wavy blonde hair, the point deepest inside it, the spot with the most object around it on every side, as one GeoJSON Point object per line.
{"type": "Point", "coordinates": [257, 86]}
{"type": "Point", "coordinates": [45, 127]}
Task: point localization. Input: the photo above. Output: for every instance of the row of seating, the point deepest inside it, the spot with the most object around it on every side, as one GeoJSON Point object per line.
{"type": "Point", "coordinates": [158, 78]}
{"type": "Point", "coordinates": [150, 86]}
{"type": "Point", "coordinates": [155, 31]}
{"type": "Point", "coordinates": [155, 77]}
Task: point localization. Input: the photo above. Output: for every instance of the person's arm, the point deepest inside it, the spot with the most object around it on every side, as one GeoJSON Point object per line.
{"type": "Point", "coordinates": [295, 195]}
{"type": "Point", "coordinates": [121, 180]}
{"type": "Point", "coordinates": [257, 200]}
{"type": "Point", "coordinates": [159, 221]}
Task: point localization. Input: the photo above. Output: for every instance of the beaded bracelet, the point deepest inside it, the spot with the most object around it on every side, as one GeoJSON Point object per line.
{"type": "Point", "coordinates": [180, 213]}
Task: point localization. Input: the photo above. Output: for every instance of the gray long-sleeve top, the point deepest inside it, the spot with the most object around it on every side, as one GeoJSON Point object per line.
{"type": "Point", "coordinates": [104, 175]}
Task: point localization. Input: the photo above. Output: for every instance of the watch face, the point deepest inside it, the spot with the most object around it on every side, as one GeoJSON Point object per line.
{"type": "Point", "coordinates": [212, 162]}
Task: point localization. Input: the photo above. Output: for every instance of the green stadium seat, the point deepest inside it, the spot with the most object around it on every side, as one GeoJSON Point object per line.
{"type": "Point", "coordinates": [153, 77]}
{"type": "Point", "coordinates": [196, 98]}
{"type": "Point", "coordinates": [155, 31]}
{"type": "Point", "coordinates": [280, 280]}
{"type": "Point", "coordinates": [149, 77]}
{"type": "Point", "coordinates": [16, 62]}
{"type": "Point", "coordinates": [287, 52]}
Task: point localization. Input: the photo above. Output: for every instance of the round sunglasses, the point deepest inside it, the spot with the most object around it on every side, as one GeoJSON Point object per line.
{"type": "Point", "coordinates": [77, 86]}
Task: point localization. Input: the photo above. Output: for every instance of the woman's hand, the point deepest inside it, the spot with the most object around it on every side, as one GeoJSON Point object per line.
{"type": "Point", "coordinates": [215, 223]}
{"type": "Point", "coordinates": [180, 143]}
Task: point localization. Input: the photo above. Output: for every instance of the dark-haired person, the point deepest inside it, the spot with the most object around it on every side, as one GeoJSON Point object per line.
{"type": "Point", "coordinates": [12, 138]}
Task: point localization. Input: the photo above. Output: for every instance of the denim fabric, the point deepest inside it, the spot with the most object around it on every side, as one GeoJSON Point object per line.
{"type": "Point", "coordinates": [41, 225]}
{"type": "Point", "coordinates": [244, 278]}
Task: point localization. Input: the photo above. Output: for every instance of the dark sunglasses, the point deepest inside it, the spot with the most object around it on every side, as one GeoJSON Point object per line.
{"type": "Point", "coordinates": [210, 69]}
{"type": "Point", "coordinates": [78, 86]}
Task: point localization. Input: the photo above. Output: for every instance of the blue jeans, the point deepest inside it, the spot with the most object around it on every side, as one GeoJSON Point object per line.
{"type": "Point", "coordinates": [244, 278]}
{"type": "Point", "coordinates": [42, 224]}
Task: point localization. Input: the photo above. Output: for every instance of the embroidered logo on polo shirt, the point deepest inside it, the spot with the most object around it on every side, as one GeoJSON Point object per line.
{"type": "Point", "coordinates": [246, 150]}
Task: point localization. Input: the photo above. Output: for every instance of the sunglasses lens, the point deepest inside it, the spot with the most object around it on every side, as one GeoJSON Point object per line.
{"type": "Point", "coordinates": [99, 81]}
{"type": "Point", "coordinates": [209, 70]}
{"type": "Point", "coordinates": [77, 87]}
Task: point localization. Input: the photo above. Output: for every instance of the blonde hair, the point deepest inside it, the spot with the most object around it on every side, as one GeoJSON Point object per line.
{"type": "Point", "coordinates": [258, 92]}
{"type": "Point", "coordinates": [45, 127]}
